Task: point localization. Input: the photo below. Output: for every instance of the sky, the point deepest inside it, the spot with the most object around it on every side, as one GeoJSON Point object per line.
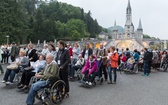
{"type": "Point", "coordinates": [153, 14]}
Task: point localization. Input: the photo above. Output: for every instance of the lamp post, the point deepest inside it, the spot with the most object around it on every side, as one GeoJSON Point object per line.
{"type": "Point", "coordinates": [7, 39]}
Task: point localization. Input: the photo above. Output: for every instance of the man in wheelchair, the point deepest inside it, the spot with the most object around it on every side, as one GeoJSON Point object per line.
{"type": "Point", "coordinates": [89, 70]}
{"type": "Point", "coordinates": [78, 65]}
{"type": "Point", "coordinates": [51, 70]}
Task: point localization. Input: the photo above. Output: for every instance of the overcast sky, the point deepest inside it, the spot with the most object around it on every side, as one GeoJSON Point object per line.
{"type": "Point", "coordinates": [153, 13]}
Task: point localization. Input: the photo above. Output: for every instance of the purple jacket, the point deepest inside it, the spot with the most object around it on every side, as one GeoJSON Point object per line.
{"type": "Point", "coordinates": [91, 66]}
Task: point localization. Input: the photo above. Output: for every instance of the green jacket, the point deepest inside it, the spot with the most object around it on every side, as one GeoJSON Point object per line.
{"type": "Point", "coordinates": [14, 51]}
{"type": "Point", "coordinates": [51, 70]}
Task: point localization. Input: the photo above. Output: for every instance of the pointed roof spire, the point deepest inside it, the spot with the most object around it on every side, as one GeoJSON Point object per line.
{"type": "Point", "coordinates": [140, 24]}
{"type": "Point", "coordinates": [115, 23]}
{"type": "Point", "coordinates": [115, 26]}
{"type": "Point", "coordinates": [129, 7]}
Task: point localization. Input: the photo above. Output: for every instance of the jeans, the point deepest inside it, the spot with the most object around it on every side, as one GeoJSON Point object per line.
{"type": "Point", "coordinates": [33, 90]}
{"type": "Point", "coordinates": [146, 68]}
{"type": "Point", "coordinates": [114, 71]}
{"type": "Point", "coordinates": [11, 73]}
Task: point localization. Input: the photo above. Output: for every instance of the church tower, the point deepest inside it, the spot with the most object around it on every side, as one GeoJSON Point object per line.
{"type": "Point", "coordinates": [115, 31]}
{"type": "Point", "coordinates": [140, 30]}
{"type": "Point", "coordinates": [129, 27]}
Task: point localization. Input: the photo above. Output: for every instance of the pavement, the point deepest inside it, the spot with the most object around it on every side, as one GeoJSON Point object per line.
{"type": "Point", "coordinates": [131, 89]}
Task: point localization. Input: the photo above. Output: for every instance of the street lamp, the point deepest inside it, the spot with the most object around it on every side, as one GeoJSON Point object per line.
{"type": "Point", "coordinates": [7, 39]}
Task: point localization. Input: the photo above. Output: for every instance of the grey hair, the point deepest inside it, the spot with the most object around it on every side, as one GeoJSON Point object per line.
{"type": "Point", "coordinates": [50, 55]}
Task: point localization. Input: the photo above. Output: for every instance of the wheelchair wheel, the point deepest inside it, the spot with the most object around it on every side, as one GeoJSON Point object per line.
{"type": "Point", "coordinates": [136, 68]}
{"type": "Point", "coordinates": [42, 94]}
{"type": "Point", "coordinates": [18, 77]}
{"type": "Point", "coordinates": [57, 92]}
{"type": "Point", "coordinates": [79, 75]}
{"type": "Point", "coordinates": [101, 80]}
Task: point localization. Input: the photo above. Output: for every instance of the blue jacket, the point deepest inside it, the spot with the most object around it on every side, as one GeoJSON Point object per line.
{"type": "Point", "coordinates": [136, 56]}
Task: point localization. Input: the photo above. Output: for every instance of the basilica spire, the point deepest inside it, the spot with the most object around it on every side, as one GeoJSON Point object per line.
{"type": "Point", "coordinates": [115, 26]}
{"type": "Point", "coordinates": [140, 25]}
{"type": "Point", "coordinates": [129, 8]}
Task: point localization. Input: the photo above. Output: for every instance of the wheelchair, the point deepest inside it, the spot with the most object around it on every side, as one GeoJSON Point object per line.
{"type": "Point", "coordinates": [94, 76]}
{"type": "Point", "coordinates": [54, 92]}
{"type": "Point", "coordinates": [133, 70]}
{"type": "Point", "coordinates": [18, 75]}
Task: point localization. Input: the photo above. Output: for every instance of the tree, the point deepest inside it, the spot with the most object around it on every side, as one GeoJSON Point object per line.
{"type": "Point", "coordinates": [77, 25]}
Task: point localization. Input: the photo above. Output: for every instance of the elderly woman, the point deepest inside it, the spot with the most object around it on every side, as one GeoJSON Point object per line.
{"type": "Point", "coordinates": [45, 50]}
{"type": "Point", "coordinates": [31, 71]}
{"type": "Point", "coordinates": [21, 61]}
{"type": "Point", "coordinates": [52, 49]}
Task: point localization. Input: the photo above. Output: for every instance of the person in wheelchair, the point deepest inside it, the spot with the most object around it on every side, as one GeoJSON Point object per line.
{"type": "Point", "coordinates": [21, 61]}
{"type": "Point", "coordinates": [50, 71]}
{"type": "Point", "coordinates": [79, 64]}
{"type": "Point", "coordinates": [130, 63]}
{"type": "Point", "coordinates": [31, 71]}
{"type": "Point", "coordinates": [90, 69]}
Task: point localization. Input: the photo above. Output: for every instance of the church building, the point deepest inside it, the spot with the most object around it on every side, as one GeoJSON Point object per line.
{"type": "Point", "coordinates": [129, 32]}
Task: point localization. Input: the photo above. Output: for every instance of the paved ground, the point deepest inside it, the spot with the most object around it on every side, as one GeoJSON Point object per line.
{"type": "Point", "coordinates": [129, 90]}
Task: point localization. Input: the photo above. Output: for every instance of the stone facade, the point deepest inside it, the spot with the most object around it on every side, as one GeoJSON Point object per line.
{"type": "Point", "coordinates": [129, 32]}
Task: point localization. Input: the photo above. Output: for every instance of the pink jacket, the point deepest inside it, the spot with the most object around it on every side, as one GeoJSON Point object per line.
{"type": "Point", "coordinates": [91, 66]}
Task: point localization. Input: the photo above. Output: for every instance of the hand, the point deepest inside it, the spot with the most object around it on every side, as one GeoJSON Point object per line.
{"type": "Point", "coordinates": [18, 63]}
{"type": "Point", "coordinates": [38, 76]}
{"type": "Point", "coordinates": [61, 67]}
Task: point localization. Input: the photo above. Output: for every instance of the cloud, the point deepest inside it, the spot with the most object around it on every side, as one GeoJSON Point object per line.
{"type": "Point", "coordinates": [152, 12]}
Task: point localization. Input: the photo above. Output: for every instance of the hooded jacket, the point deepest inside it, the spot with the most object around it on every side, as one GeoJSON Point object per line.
{"type": "Point", "coordinates": [91, 66]}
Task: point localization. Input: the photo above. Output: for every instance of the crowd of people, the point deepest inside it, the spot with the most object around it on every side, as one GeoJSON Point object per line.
{"type": "Point", "coordinates": [62, 61]}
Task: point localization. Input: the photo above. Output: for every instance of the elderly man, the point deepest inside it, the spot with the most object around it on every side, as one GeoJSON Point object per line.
{"type": "Point", "coordinates": [102, 53]}
{"type": "Point", "coordinates": [51, 70]}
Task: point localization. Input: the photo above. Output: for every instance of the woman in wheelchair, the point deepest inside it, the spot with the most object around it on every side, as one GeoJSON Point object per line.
{"type": "Point", "coordinates": [31, 71]}
{"type": "Point", "coordinates": [90, 69]}
{"type": "Point", "coordinates": [21, 61]}
{"type": "Point", "coordinates": [51, 70]}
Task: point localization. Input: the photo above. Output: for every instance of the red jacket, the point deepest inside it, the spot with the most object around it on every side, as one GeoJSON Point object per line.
{"type": "Point", "coordinates": [124, 58]}
{"type": "Point", "coordinates": [70, 51]}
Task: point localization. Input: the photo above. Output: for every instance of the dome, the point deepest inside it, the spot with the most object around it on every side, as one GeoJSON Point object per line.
{"type": "Point", "coordinates": [119, 28]}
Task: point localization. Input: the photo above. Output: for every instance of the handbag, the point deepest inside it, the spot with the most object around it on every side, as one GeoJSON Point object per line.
{"type": "Point", "coordinates": [12, 66]}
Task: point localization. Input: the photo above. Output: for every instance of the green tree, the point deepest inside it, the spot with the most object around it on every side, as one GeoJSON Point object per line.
{"type": "Point", "coordinates": [78, 25]}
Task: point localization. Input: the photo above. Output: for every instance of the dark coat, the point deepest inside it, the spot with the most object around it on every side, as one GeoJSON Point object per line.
{"type": "Point", "coordinates": [64, 58]}
{"type": "Point", "coordinates": [33, 55]}
{"type": "Point", "coordinates": [90, 52]}
{"type": "Point", "coordinates": [147, 57]}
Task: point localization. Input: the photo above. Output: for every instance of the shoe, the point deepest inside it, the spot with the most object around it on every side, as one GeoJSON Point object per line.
{"type": "Point", "coordinates": [3, 81]}
{"type": "Point", "coordinates": [86, 82]}
{"type": "Point", "coordinates": [114, 82]}
{"type": "Point", "coordinates": [9, 83]}
{"type": "Point", "coordinates": [110, 82]}
{"type": "Point", "coordinates": [144, 75]}
{"type": "Point", "coordinates": [24, 88]}
{"type": "Point", "coordinates": [90, 83]}
{"type": "Point", "coordinates": [20, 86]}
{"type": "Point", "coordinates": [147, 74]}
